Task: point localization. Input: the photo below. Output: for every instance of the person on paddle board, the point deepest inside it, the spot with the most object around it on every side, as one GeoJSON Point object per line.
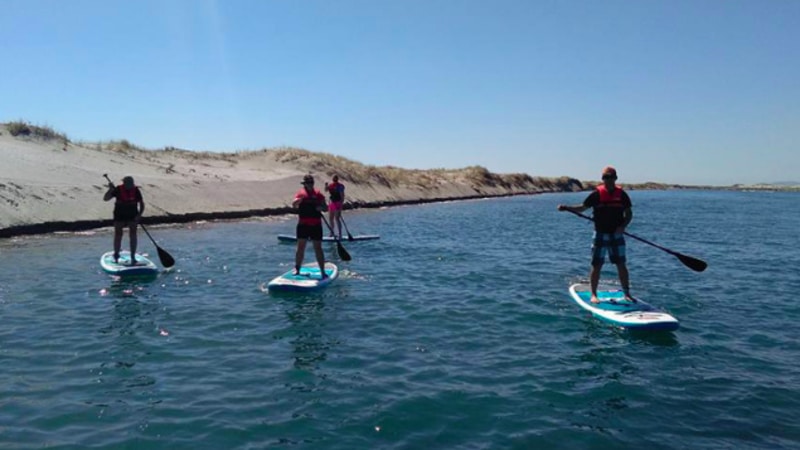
{"type": "Point", "coordinates": [128, 209]}
{"type": "Point", "coordinates": [310, 204]}
{"type": "Point", "coordinates": [611, 210]}
{"type": "Point", "coordinates": [335, 192]}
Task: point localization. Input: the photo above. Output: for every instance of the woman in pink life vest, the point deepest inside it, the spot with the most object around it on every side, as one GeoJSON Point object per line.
{"type": "Point", "coordinates": [335, 192]}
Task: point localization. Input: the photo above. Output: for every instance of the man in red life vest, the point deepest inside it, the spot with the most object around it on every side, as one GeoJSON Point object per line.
{"type": "Point", "coordinates": [335, 191]}
{"type": "Point", "coordinates": [128, 211]}
{"type": "Point", "coordinates": [310, 203]}
{"type": "Point", "coordinates": [611, 209]}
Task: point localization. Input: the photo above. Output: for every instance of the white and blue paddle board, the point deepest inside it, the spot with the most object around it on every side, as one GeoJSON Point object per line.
{"type": "Point", "coordinates": [615, 309]}
{"type": "Point", "coordinates": [123, 267]}
{"type": "Point", "coordinates": [357, 237]}
{"type": "Point", "coordinates": [309, 279]}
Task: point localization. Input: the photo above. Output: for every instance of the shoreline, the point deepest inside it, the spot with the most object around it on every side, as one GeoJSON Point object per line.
{"type": "Point", "coordinates": [176, 219]}
{"type": "Point", "coordinates": [50, 184]}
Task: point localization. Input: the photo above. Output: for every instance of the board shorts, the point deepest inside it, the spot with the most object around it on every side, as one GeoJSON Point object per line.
{"type": "Point", "coordinates": [313, 232]}
{"type": "Point", "coordinates": [611, 244]}
{"type": "Point", "coordinates": [124, 212]}
{"type": "Point", "coordinates": [335, 206]}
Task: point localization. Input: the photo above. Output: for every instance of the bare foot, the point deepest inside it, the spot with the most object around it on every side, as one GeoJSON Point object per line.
{"type": "Point", "coordinates": [630, 298]}
{"type": "Point", "coordinates": [595, 299]}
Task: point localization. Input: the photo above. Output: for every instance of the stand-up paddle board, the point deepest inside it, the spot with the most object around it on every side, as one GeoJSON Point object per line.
{"type": "Point", "coordinates": [615, 309]}
{"type": "Point", "coordinates": [123, 267]}
{"type": "Point", "coordinates": [309, 279]}
{"type": "Point", "coordinates": [358, 237]}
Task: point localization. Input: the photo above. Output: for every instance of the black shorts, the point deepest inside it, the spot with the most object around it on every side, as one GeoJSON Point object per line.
{"type": "Point", "coordinates": [313, 232]}
{"type": "Point", "coordinates": [125, 212]}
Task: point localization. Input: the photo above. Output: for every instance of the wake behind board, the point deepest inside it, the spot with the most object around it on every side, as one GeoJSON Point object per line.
{"type": "Point", "coordinates": [358, 237]}
{"type": "Point", "coordinates": [309, 279]}
{"type": "Point", "coordinates": [614, 309]}
{"type": "Point", "coordinates": [123, 267]}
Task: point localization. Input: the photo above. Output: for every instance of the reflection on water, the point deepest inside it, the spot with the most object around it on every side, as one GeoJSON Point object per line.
{"type": "Point", "coordinates": [310, 344]}
{"type": "Point", "coordinates": [125, 385]}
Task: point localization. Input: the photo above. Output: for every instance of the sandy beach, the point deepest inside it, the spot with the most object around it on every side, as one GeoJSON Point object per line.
{"type": "Point", "coordinates": [52, 184]}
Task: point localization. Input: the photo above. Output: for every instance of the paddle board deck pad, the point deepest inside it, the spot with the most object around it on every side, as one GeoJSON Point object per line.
{"type": "Point", "coordinates": [309, 279]}
{"type": "Point", "coordinates": [615, 309]}
{"type": "Point", "coordinates": [358, 237]}
{"type": "Point", "coordinates": [123, 267]}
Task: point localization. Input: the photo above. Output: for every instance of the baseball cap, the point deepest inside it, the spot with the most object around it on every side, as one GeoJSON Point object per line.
{"type": "Point", "coordinates": [308, 179]}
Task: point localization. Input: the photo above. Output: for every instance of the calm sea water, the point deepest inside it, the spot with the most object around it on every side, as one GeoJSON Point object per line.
{"type": "Point", "coordinates": [454, 330]}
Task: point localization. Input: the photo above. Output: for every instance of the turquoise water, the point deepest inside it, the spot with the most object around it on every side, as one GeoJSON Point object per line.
{"type": "Point", "coordinates": [454, 330]}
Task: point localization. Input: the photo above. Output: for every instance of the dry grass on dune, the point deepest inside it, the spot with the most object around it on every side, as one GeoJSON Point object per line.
{"type": "Point", "coordinates": [390, 176]}
{"type": "Point", "coordinates": [321, 164]}
{"type": "Point", "coordinates": [23, 128]}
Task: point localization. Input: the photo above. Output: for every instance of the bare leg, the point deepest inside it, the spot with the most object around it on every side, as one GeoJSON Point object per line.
{"type": "Point", "coordinates": [624, 281]}
{"type": "Point", "coordinates": [594, 280]}
{"type": "Point", "coordinates": [320, 257]}
{"type": "Point", "coordinates": [331, 216]}
{"type": "Point", "coordinates": [339, 223]}
{"type": "Point", "coordinates": [117, 240]}
{"type": "Point", "coordinates": [134, 241]}
{"type": "Point", "coordinates": [298, 256]}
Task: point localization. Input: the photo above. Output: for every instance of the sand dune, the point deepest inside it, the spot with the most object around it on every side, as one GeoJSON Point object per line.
{"type": "Point", "coordinates": [49, 184]}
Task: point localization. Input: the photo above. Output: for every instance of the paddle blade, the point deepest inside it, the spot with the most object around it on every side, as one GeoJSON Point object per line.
{"type": "Point", "coordinates": [692, 263]}
{"type": "Point", "coordinates": [166, 259]}
{"type": "Point", "coordinates": [350, 237]}
{"type": "Point", "coordinates": [342, 252]}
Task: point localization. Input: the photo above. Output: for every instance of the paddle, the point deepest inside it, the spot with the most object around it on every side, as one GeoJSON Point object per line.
{"type": "Point", "coordinates": [339, 247]}
{"type": "Point", "coordinates": [349, 236]}
{"type": "Point", "coordinates": [693, 263]}
{"type": "Point", "coordinates": [166, 259]}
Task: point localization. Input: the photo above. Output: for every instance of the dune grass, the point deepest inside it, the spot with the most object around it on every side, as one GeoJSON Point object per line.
{"type": "Point", "coordinates": [23, 128]}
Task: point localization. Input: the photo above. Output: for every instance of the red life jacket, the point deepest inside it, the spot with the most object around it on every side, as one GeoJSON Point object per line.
{"type": "Point", "coordinates": [125, 195]}
{"type": "Point", "coordinates": [610, 199]}
{"type": "Point", "coordinates": [307, 209]}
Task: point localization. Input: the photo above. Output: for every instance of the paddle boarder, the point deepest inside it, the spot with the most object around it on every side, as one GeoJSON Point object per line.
{"type": "Point", "coordinates": [335, 191]}
{"type": "Point", "coordinates": [612, 212]}
{"type": "Point", "coordinates": [128, 209]}
{"type": "Point", "coordinates": [310, 204]}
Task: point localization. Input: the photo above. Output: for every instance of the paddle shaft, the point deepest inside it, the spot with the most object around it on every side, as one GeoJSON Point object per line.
{"type": "Point", "coordinates": [341, 217]}
{"type": "Point", "coordinates": [339, 247]}
{"type": "Point", "coordinates": [690, 262]}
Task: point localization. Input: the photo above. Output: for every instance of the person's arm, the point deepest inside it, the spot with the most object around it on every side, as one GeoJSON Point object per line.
{"type": "Point", "coordinates": [573, 208]}
{"type": "Point", "coordinates": [110, 193]}
{"type": "Point", "coordinates": [298, 198]}
{"type": "Point", "coordinates": [588, 202]}
{"type": "Point", "coordinates": [627, 213]}
{"type": "Point", "coordinates": [322, 205]}
{"type": "Point", "coordinates": [140, 200]}
{"type": "Point", "coordinates": [341, 190]}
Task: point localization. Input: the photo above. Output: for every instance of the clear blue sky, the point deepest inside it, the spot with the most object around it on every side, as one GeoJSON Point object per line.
{"type": "Point", "coordinates": [694, 92]}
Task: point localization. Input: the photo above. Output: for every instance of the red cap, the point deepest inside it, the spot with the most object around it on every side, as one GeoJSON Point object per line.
{"type": "Point", "coordinates": [609, 170]}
